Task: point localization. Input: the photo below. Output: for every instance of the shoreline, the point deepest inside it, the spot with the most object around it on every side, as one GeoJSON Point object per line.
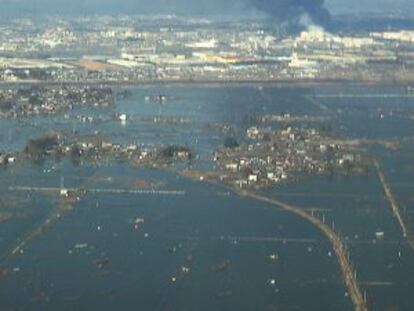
{"type": "Point", "coordinates": [215, 83]}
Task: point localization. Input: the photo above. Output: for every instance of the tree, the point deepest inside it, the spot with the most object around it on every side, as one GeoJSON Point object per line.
{"type": "Point", "coordinates": [37, 148]}
{"type": "Point", "coordinates": [231, 143]}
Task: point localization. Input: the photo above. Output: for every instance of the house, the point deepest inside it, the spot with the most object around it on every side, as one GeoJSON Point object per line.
{"type": "Point", "coordinates": [182, 154]}
{"type": "Point", "coordinates": [232, 167]}
{"type": "Point", "coordinates": [132, 148]}
{"type": "Point", "coordinates": [347, 158]}
{"type": "Point", "coordinates": [272, 176]}
{"type": "Point", "coordinates": [11, 160]}
{"type": "Point", "coordinates": [252, 132]}
{"type": "Point", "coordinates": [122, 117]}
{"type": "Point", "coordinates": [241, 183]}
{"type": "Point", "coordinates": [106, 145]}
{"type": "Point", "coordinates": [253, 178]}
{"type": "Point", "coordinates": [144, 154]}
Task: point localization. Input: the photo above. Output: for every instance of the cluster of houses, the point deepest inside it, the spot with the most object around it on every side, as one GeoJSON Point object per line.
{"type": "Point", "coordinates": [22, 101]}
{"type": "Point", "coordinates": [269, 157]}
{"type": "Point", "coordinates": [93, 148]}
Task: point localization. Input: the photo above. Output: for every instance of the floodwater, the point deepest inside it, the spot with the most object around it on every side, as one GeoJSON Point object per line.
{"type": "Point", "coordinates": [209, 249]}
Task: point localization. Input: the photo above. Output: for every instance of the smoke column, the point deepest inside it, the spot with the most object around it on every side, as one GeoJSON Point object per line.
{"type": "Point", "coordinates": [293, 11]}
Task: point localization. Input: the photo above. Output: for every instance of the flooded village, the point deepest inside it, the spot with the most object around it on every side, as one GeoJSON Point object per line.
{"type": "Point", "coordinates": [152, 177]}
{"type": "Point", "coordinates": [32, 100]}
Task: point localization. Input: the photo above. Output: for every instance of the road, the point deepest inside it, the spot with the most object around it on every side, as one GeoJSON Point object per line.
{"type": "Point", "coordinates": [394, 205]}
{"type": "Point", "coordinates": [348, 274]}
{"type": "Point", "coordinates": [91, 190]}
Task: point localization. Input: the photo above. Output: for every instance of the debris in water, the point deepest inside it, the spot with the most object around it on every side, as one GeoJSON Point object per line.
{"type": "Point", "coordinates": [138, 222]}
{"type": "Point", "coordinates": [271, 282]}
{"type": "Point", "coordinates": [274, 257]}
{"type": "Point", "coordinates": [224, 294]}
{"type": "Point", "coordinates": [81, 245]}
{"type": "Point", "coordinates": [172, 250]}
{"type": "Point", "coordinates": [101, 263]}
{"type": "Point", "coordinates": [221, 267]}
{"type": "Point", "coordinates": [185, 270]}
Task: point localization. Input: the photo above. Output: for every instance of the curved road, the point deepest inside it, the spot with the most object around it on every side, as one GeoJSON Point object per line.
{"type": "Point", "coordinates": [348, 274]}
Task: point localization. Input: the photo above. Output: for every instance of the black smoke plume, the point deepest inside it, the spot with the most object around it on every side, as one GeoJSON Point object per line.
{"type": "Point", "coordinates": [298, 12]}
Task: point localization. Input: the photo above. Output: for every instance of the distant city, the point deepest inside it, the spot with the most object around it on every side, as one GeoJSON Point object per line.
{"type": "Point", "coordinates": [135, 49]}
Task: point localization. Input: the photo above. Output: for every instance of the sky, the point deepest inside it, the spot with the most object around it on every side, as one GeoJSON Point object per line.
{"type": "Point", "coordinates": [225, 7]}
{"type": "Point", "coordinates": [355, 6]}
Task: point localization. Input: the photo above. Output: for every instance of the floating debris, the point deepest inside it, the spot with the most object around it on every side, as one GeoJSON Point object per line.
{"type": "Point", "coordinates": [172, 250]}
{"type": "Point", "coordinates": [274, 257]}
{"type": "Point", "coordinates": [101, 263]}
{"type": "Point", "coordinates": [81, 245]}
{"type": "Point", "coordinates": [271, 282]}
{"type": "Point", "coordinates": [4, 272]}
{"type": "Point", "coordinates": [224, 294]}
{"type": "Point", "coordinates": [185, 270]}
{"type": "Point", "coordinates": [138, 222]}
{"type": "Point", "coordinates": [42, 297]}
{"type": "Point", "coordinates": [221, 267]}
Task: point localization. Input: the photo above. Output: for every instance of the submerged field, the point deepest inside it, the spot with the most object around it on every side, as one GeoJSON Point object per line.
{"type": "Point", "coordinates": [208, 249]}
